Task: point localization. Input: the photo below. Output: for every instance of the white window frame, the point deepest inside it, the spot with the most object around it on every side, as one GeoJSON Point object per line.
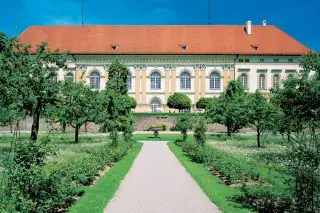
{"type": "Point", "coordinates": [215, 81]}
{"type": "Point", "coordinates": [262, 82]}
{"type": "Point", "coordinates": [155, 81]}
{"type": "Point", "coordinates": [185, 81]}
{"type": "Point", "coordinates": [95, 79]}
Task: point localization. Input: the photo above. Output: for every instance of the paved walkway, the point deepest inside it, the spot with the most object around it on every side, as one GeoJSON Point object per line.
{"type": "Point", "coordinates": [158, 183]}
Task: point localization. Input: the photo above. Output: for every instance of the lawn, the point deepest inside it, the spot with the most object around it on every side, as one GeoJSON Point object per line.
{"type": "Point", "coordinates": [161, 137]}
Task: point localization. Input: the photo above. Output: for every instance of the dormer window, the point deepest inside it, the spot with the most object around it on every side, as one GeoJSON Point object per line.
{"type": "Point", "coordinates": [114, 47]}
{"type": "Point", "coordinates": [255, 46]}
{"type": "Point", "coordinates": [184, 46]}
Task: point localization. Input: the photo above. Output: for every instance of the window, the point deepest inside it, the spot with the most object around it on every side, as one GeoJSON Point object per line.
{"type": "Point", "coordinates": [155, 105]}
{"type": "Point", "coordinates": [246, 60]}
{"type": "Point", "coordinates": [185, 80]}
{"type": "Point", "coordinates": [290, 60]}
{"type": "Point", "coordinates": [262, 81]}
{"type": "Point", "coordinates": [240, 60]}
{"type": "Point", "coordinates": [214, 80]}
{"type": "Point", "coordinates": [95, 79]}
{"type": "Point", "coordinates": [244, 80]}
{"type": "Point", "coordinates": [261, 60]}
{"type": "Point", "coordinates": [155, 80]}
{"type": "Point", "coordinates": [276, 60]}
{"type": "Point", "coordinates": [69, 76]}
{"type": "Point", "coordinates": [275, 80]}
{"type": "Point", "coordinates": [129, 80]}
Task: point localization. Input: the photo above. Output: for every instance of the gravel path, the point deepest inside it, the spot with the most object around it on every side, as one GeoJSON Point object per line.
{"type": "Point", "coordinates": [158, 183]}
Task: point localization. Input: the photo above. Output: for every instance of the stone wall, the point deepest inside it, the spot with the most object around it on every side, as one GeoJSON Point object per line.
{"type": "Point", "coordinates": [140, 125]}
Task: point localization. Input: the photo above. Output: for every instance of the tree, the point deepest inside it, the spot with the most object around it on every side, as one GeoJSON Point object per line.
{"type": "Point", "coordinates": [77, 105]}
{"type": "Point", "coordinates": [230, 109]}
{"type": "Point", "coordinates": [200, 131]}
{"type": "Point", "coordinates": [117, 82]}
{"type": "Point", "coordinates": [299, 101]}
{"type": "Point", "coordinates": [260, 114]}
{"type": "Point", "coordinates": [204, 102]}
{"type": "Point", "coordinates": [179, 101]}
{"type": "Point", "coordinates": [116, 110]}
{"type": "Point", "coordinates": [29, 82]}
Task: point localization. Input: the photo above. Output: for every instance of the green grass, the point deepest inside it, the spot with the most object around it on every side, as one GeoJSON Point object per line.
{"type": "Point", "coordinates": [162, 137]}
{"type": "Point", "coordinates": [96, 198]}
{"type": "Point", "coordinates": [218, 192]}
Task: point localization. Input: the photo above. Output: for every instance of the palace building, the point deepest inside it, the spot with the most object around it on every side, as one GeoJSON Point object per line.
{"type": "Point", "coordinates": [195, 60]}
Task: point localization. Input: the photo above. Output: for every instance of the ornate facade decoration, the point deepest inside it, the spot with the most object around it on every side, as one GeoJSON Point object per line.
{"type": "Point", "coordinates": [81, 67]}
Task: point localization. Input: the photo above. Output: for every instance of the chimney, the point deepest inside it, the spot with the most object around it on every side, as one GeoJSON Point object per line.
{"type": "Point", "coordinates": [264, 23]}
{"type": "Point", "coordinates": [248, 27]}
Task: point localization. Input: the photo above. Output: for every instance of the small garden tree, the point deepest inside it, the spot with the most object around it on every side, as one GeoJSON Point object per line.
{"type": "Point", "coordinates": [230, 109]}
{"type": "Point", "coordinates": [29, 82]}
{"type": "Point", "coordinates": [200, 131]}
{"type": "Point", "coordinates": [179, 101]}
{"type": "Point", "coordinates": [77, 105]}
{"type": "Point", "coordinates": [116, 110]}
{"type": "Point", "coordinates": [260, 114]}
{"type": "Point", "coordinates": [204, 102]}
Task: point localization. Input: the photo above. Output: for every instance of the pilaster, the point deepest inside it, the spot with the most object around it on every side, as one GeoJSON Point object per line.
{"type": "Point", "coordinates": [173, 78]}
{"type": "Point", "coordinates": [143, 84]}
{"type": "Point", "coordinates": [137, 83]}
{"type": "Point", "coordinates": [196, 83]}
{"type": "Point", "coordinates": [167, 69]}
{"type": "Point", "coordinates": [203, 80]}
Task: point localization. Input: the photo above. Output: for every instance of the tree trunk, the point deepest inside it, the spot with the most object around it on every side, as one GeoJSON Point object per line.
{"type": "Point", "coordinates": [229, 131]}
{"type": "Point", "coordinates": [258, 136]}
{"type": "Point", "coordinates": [10, 128]}
{"type": "Point", "coordinates": [76, 133]}
{"type": "Point", "coordinates": [35, 123]}
{"type": "Point", "coordinates": [85, 127]}
{"type": "Point", "coordinates": [64, 126]}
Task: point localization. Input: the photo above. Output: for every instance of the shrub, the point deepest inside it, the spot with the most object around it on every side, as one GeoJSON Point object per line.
{"type": "Point", "coordinates": [200, 132]}
{"type": "Point", "coordinates": [194, 151]}
{"type": "Point", "coordinates": [264, 199]}
{"type": "Point", "coordinates": [29, 188]}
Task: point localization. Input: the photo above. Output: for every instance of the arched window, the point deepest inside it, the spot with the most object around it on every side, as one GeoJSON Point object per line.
{"type": "Point", "coordinates": [129, 81]}
{"type": "Point", "coordinates": [155, 80]}
{"type": "Point", "coordinates": [69, 76]}
{"type": "Point", "coordinates": [244, 80]}
{"type": "Point", "coordinates": [275, 80]}
{"type": "Point", "coordinates": [95, 79]}
{"type": "Point", "coordinates": [185, 80]}
{"type": "Point", "coordinates": [262, 82]}
{"type": "Point", "coordinates": [214, 80]}
{"type": "Point", "coordinates": [155, 105]}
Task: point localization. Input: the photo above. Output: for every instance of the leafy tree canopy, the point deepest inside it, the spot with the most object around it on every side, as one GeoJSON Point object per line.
{"type": "Point", "coordinates": [204, 102]}
{"type": "Point", "coordinates": [118, 75]}
{"type": "Point", "coordinates": [179, 101]}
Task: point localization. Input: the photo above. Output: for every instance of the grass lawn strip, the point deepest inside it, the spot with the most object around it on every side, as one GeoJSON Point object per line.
{"type": "Point", "coordinates": [97, 197]}
{"type": "Point", "coordinates": [218, 192]}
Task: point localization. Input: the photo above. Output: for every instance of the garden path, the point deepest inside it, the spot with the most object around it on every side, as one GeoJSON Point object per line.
{"type": "Point", "coordinates": [158, 183]}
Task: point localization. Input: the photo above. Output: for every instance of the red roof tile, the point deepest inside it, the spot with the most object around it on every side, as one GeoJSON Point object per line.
{"type": "Point", "coordinates": [219, 39]}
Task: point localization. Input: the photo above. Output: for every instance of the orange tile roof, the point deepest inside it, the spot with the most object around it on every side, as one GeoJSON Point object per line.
{"type": "Point", "coordinates": [218, 39]}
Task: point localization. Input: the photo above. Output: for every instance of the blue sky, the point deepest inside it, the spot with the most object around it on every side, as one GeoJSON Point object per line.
{"type": "Point", "coordinates": [299, 18]}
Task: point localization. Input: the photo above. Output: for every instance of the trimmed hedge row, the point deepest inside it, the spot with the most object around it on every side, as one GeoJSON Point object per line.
{"type": "Point", "coordinates": [271, 192]}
